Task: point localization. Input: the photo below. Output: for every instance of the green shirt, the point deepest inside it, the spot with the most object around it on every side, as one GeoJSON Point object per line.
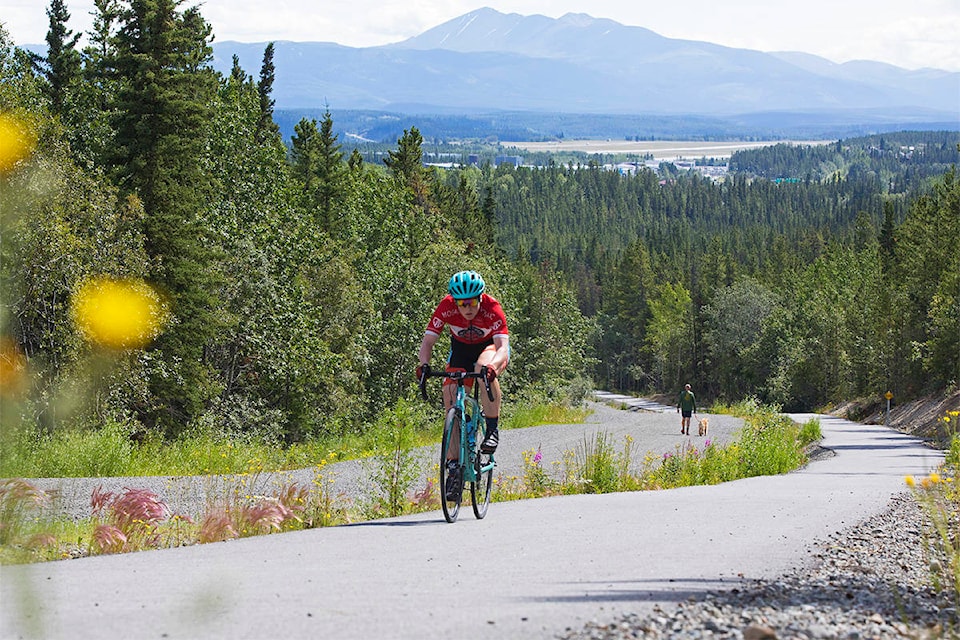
{"type": "Point", "coordinates": [688, 401]}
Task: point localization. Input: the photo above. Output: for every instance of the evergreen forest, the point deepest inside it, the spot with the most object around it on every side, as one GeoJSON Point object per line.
{"type": "Point", "coordinates": [299, 278]}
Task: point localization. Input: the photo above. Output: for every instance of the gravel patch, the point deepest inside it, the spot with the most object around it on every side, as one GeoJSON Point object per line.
{"type": "Point", "coordinates": [869, 581]}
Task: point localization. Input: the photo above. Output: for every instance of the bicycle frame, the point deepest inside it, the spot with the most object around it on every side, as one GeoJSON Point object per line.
{"type": "Point", "coordinates": [470, 425]}
{"type": "Point", "coordinates": [474, 468]}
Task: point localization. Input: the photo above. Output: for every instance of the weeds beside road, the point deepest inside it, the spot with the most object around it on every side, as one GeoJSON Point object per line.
{"type": "Point", "coordinates": [400, 478]}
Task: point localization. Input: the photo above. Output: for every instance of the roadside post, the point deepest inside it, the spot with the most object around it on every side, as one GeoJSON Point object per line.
{"type": "Point", "coordinates": [889, 396]}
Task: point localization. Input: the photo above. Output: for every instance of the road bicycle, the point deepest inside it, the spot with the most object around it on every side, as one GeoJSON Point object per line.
{"type": "Point", "coordinates": [464, 420]}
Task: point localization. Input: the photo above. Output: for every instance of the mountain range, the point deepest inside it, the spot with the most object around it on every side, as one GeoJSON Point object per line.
{"type": "Point", "coordinates": [486, 62]}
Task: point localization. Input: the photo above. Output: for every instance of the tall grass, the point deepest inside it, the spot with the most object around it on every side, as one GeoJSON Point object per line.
{"type": "Point", "coordinates": [767, 444]}
{"type": "Point", "coordinates": [532, 415]}
{"type": "Point", "coordinates": [397, 467]}
{"type": "Point", "coordinates": [114, 450]}
{"type": "Point", "coordinates": [939, 496]}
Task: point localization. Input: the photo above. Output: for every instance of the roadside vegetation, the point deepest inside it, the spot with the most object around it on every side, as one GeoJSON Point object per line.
{"type": "Point", "coordinates": [137, 519]}
{"type": "Point", "coordinates": [769, 444]}
{"type": "Point", "coordinates": [939, 496]}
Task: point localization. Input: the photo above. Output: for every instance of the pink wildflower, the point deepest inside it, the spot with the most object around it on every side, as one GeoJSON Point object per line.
{"type": "Point", "coordinates": [108, 539]}
{"type": "Point", "coordinates": [100, 499]}
{"type": "Point", "coordinates": [217, 527]}
{"type": "Point", "coordinates": [16, 491]}
{"type": "Point", "coordinates": [138, 507]}
{"type": "Point", "coordinates": [266, 514]}
{"type": "Point", "coordinates": [537, 458]}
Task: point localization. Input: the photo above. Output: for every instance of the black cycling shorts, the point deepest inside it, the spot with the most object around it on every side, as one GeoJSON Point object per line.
{"type": "Point", "coordinates": [463, 355]}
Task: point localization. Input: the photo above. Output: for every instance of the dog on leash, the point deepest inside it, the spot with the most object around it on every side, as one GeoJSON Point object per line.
{"type": "Point", "coordinates": [702, 426]}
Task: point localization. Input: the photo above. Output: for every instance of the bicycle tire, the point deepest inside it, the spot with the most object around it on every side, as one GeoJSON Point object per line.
{"type": "Point", "coordinates": [451, 508]}
{"type": "Point", "coordinates": [481, 488]}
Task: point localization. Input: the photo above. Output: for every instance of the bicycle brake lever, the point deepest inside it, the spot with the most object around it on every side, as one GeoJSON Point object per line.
{"type": "Point", "coordinates": [424, 374]}
{"type": "Point", "coordinates": [486, 382]}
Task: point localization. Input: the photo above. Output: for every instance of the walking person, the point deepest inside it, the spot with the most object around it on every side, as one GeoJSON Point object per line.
{"type": "Point", "coordinates": [686, 407]}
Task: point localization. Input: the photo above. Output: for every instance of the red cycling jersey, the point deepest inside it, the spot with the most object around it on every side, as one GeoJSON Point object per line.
{"type": "Point", "coordinates": [488, 323]}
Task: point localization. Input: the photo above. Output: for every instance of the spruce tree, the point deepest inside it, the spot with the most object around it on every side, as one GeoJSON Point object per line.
{"type": "Point", "coordinates": [237, 74]}
{"type": "Point", "coordinates": [266, 127]}
{"type": "Point", "coordinates": [318, 165]}
{"type": "Point", "coordinates": [96, 95]}
{"type": "Point", "coordinates": [162, 110]}
{"type": "Point", "coordinates": [331, 169]}
{"type": "Point", "coordinates": [99, 54]}
{"type": "Point", "coordinates": [406, 165]}
{"type": "Point", "coordinates": [63, 60]}
{"type": "Point", "coordinates": [355, 162]}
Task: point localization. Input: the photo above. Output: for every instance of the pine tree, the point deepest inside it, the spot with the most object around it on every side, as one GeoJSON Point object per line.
{"type": "Point", "coordinates": [266, 127]}
{"type": "Point", "coordinates": [163, 107]}
{"type": "Point", "coordinates": [406, 165]}
{"type": "Point", "coordinates": [63, 60]}
{"type": "Point", "coordinates": [318, 165]}
{"type": "Point", "coordinates": [237, 74]}
{"type": "Point", "coordinates": [93, 134]}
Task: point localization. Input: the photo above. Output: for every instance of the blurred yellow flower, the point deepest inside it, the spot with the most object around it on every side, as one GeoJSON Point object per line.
{"type": "Point", "coordinates": [910, 481]}
{"type": "Point", "coordinates": [118, 314]}
{"type": "Point", "coordinates": [13, 366]}
{"type": "Point", "coordinates": [16, 141]}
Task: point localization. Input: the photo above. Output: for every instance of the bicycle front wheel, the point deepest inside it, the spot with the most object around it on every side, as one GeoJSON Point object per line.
{"type": "Point", "coordinates": [483, 472]}
{"type": "Point", "coordinates": [451, 434]}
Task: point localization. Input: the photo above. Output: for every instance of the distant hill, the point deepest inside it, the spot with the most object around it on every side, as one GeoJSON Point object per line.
{"type": "Point", "coordinates": [509, 76]}
{"type": "Point", "coordinates": [488, 61]}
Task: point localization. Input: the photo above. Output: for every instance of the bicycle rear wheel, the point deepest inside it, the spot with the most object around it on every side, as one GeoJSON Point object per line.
{"type": "Point", "coordinates": [481, 487]}
{"type": "Point", "coordinates": [451, 508]}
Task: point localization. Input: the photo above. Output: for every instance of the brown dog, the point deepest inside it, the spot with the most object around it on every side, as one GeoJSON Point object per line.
{"type": "Point", "coordinates": [702, 427]}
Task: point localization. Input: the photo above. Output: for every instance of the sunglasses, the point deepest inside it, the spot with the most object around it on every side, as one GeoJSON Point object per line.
{"type": "Point", "coordinates": [469, 302]}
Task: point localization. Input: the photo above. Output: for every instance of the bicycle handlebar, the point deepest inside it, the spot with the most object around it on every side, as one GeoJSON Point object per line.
{"type": "Point", "coordinates": [454, 375]}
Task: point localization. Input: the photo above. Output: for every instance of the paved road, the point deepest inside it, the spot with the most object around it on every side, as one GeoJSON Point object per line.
{"type": "Point", "coordinates": [550, 564]}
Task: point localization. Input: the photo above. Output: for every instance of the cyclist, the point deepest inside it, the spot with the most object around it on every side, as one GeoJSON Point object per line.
{"type": "Point", "coordinates": [478, 338]}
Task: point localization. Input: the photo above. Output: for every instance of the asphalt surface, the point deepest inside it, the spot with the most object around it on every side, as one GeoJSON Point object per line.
{"type": "Point", "coordinates": [531, 569]}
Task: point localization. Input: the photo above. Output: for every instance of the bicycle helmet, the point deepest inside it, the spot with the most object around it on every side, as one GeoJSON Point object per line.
{"type": "Point", "coordinates": [466, 284]}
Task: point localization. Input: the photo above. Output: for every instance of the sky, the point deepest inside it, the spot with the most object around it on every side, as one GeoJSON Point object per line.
{"type": "Point", "coordinates": [912, 34]}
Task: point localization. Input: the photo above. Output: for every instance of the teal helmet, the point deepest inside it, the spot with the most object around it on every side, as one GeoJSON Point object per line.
{"type": "Point", "coordinates": [466, 284]}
